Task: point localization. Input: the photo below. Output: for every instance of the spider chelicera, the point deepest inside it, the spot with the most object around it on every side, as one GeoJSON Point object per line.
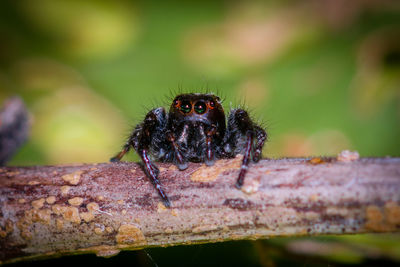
{"type": "Point", "coordinates": [194, 130]}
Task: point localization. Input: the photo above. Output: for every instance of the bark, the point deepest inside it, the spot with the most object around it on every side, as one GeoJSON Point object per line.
{"type": "Point", "coordinates": [103, 208]}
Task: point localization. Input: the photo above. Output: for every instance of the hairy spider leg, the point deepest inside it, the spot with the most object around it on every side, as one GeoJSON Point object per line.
{"type": "Point", "coordinates": [119, 156]}
{"type": "Point", "coordinates": [240, 138]}
{"type": "Point", "coordinates": [152, 173]}
{"type": "Point", "coordinates": [246, 160]}
{"type": "Point", "coordinates": [182, 164]}
{"type": "Point", "coordinates": [261, 136]}
{"type": "Point", "coordinates": [209, 152]}
{"type": "Point", "coordinates": [141, 140]}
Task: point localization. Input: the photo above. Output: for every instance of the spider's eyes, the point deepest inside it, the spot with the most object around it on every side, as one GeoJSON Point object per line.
{"type": "Point", "coordinates": [212, 104]}
{"type": "Point", "coordinates": [200, 107]}
{"type": "Point", "coordinates": [186, 107]}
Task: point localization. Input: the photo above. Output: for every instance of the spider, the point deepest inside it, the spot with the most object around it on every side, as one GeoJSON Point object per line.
{"type": "Point", "coordinates": [194, 130]}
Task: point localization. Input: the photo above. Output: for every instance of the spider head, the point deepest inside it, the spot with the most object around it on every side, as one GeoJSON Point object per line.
{"type": "Point", "coordinates": [205, 108]}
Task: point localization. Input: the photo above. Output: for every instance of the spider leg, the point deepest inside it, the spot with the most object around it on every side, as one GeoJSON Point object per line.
{"type": "Point", "coordinates": [131, 142]}
{"type": "Point", "coordinates": [145, 137]}
{"type": "Point", "coordinates": [209, 151]}
{"type": "Point", "coordinates": [182, 164]}
{"type": "Point", "coordinates": [119, 156]}
{"type": "Point", "coordinates": [152, 172]}
{"type": "Point", "coordinates": [260, 136]}
{"type": "Point", "coordinates": [246, 160]}
{"type": "Point", "coordinates": [240, 137]}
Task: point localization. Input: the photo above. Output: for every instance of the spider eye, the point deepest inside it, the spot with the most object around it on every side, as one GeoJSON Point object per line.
{"type": "Point", "coordinates": [200, 107]}
{"type": "Point", "coordinates": [212, 104]}
{"type": "Point", "coordinates": [186, 107]}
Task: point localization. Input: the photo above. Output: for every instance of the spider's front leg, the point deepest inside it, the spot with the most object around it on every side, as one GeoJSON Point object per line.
{"type": "Point", "coordinates": [180, 161]}
{"type": "Point", "coordinates": [210, 132]}
{"type": "Point", "coordinates": [244, 136]}
{"type": "Point", "coordinates": [146, 135]}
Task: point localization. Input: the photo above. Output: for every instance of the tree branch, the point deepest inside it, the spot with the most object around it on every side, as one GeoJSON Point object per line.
{"type": "Point", "coordinates": [14, 127]}
{"type": "Point", "coordinates": [103, 208]}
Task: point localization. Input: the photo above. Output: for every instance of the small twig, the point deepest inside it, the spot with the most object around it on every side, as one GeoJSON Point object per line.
{"type": "Point", "coordinates": [14, 128]}
{"type": "Point", "coordinates": [104, 208]}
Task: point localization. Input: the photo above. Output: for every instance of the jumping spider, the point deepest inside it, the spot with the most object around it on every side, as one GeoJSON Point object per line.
{"type": "Point", "coordinates": [194, 130]}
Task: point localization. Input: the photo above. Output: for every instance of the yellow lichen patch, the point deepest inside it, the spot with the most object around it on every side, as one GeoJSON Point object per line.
{"type": "Point", "coordinates": [107, 253]}
{"type": "Point", "coordinates": [316, 161]}
{"type": "Point", "coordinates": [313, 198]}
{"type": "Point", "coordinates": [70, 214]}
{"type": "Point", "coordinates": [168, 230]}
{"type": "Point", "coordinates": [204, 228]}
{"type": "Point", "coordinates": [373, 213]}
{"type": "Point", "coordinates": [392, 212]}
{"type": "Point", "coordinates": [26, 234]}
{"type": "Point", "coordinates": [100, 198]}
{"type": "Point", "coordinates": [65, 189]}
{"type": "Point", "coordinates": [337, 211]}
{"type": "Point", "coordinates": [33, 183]}
{"type": "Point", "coordinates": [133, 170]}
{"type": "Point", "coordinates": [102, 251]}
{"type": "Point", "coordinates": [347, 156]}
{"type": "Point", "coordinates": [161, 207]}
{"type": "Point", "coordinates": [42, 216]}
{"type": "Point", "coordinates": [92, 207]}
{"type": "Point", "coordinates": [51, 199]}
{"type": "Point", "coordinates": [172, 168]}
{"type": "Point", "coordinates": [210, 173]}
{"type": "Point", "coordinates": [59, 224]}
{"type": "Point", "coordinates": [98, 230]}
{"type": "Point", "coordinates": [76, 201]}
{"type": "Point", "coordinates": [73, 178]}
{"type": "Point", "coordinates": [37, 204]}
{"type": "Point", "coordinates": [123, 212]}
{"type": "Point", "coordinates": [251, 186]}
{"type": "Point", "coordinates": [109, 229]}
{"type": "Point", "coordinates": [174, 212]}
{"type": "Point", "coordinates": [23, 225]}
{"type": "Point", "coordinates": [8, 228]}
{"type": "Point", "coordinates": [87, 216]}
{"type": "Point", "coordinates": [3, 233]}
{"type": "Point", "coordinates": [21, 201]}
{"type": "Point", "coordinates": [137, 220]}
{"type": "Point", "coordinates": [120, 202]}
{"type": "Point", "coordinates": [129, 234]}
{"type": "Point", "coordinates": [376, 220]}
{"type": "Point", "coordinates": [57, 209]}
{"type": "Point", "coordinates": [162, 169]}
{"type": "Point", "coordinates": [310, 215]}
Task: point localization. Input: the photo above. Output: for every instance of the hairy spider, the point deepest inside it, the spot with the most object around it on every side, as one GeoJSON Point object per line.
{"type": "Point", "coordinates": [194, 130]}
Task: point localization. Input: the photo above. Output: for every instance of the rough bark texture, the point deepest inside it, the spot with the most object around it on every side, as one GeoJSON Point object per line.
{"type": "Point", "coordinates": [103, 208]}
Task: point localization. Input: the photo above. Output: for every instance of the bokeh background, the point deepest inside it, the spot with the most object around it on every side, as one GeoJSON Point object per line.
{"type": "Point", "coordinates": [321, 75]}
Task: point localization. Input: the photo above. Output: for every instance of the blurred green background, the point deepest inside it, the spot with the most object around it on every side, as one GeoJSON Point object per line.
{"type": "Point", "coordinates": [321, 75]}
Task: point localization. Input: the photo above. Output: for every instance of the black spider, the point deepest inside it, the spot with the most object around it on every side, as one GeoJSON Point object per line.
{"type": "Point", "coordinates": [194, 130]}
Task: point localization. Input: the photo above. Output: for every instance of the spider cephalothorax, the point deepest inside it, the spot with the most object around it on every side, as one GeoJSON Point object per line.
{"type": "Point", "coordinates": [194, 130]}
